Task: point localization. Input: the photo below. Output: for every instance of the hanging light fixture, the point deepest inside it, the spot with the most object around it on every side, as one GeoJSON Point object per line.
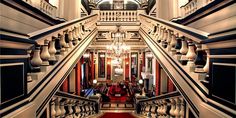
{"type": "Point", "coordinates": [118, 48]}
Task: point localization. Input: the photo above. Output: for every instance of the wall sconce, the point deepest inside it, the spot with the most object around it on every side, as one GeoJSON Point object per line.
{"type": "Point", "coordinates": [140, 81]}
{"type": "Point", "coordinates": [108, 62]}
{"type": "Point", "coordinates": [95, 81]}
{"type": "Point", "coordinates": [127, 63]}
{"type": "Point", "coordinates": [86, 55]}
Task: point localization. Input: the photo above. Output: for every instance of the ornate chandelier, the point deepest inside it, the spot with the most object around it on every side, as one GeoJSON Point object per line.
{"type": "Point", "coordinates": [118, 48]}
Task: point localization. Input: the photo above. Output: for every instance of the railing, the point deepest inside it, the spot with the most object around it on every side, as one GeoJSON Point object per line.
{"type": "Point", "coordinates": [184, 54]}
{"type": "Point", "coordinates": [118, 15]}
{"type": "Point", "coordinates": [183, 44]}
{"type": "Point", "coordinates": [55, 52]}
{"type": "Point", "coordinates": [193, 6]}
{"type": "Point", "coordinates": [182, 47]}
{"type": "Point", "coordinates": [69, 105]}
{"type": "Point", "coordinates": [166, 105]}
{"type": "Point", "coordinates": [44, 6]}
{"type": "Point", "coordinates": [48, 8]}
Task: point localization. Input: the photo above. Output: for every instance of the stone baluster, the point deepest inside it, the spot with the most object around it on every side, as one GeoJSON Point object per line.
{"type": "Point", "coordinates": [77, 109]}
{"type": "Point", "coordinates": [172, 109]}
{"type": "Point", "coordinates": [177, 109]}
{"type": "Point", "coordinates": [182, 108]}
{"type": "Point", "coordinates": [78, 33]}
{"type": "Point", "coordinates": [161, 35]}
{"type": "Point", "coordinates": [191, 55]}
{"type": "Point", "coordinates": [57, 106]}
{"type": "Point", "coordinates": [36, 61]}
{"type": "Point", "coordinates": [200, 60]}
{"type": "Point", "coordinates": [70, 40]}
{"type": "Point", "coordinates": [156, 30]}
{"type": "Point", "coordinates": [163, 40]}
{"type": "Point", "coordinates": [206, 67]}
{"type": "Point", "coordinates": [67, 40]}
{"type": "Point", "coordinates": [183, 51]}
{"type": "Point", "coordinates": [122, 16]}
{"type": "Point", "coordinates": [73, 108]}
{"type": "Point", "coordinates": [58, 47]}
{"type": "Point", "coordinates": [158, 107]}
{"type": "Point", "coordinates": [63, 43]}
{"type": "Point", "coordinates": [75, 41]}
{"type": "Point", "coordinates": [52, 108]}
{"type": "Point", "coordinates": [108, 16]}
{"type": "Point", "coordinates": [178, 47]}
{"type": "Point", "coordinates": [169, 39]}
{"type": "Point", "coordinates": [82, 29]}
{"type": "Point", "coordinates": [70, 108]}
{"type": "Point", "coordinates": [45, 56]}
{"type": "Point", "coordinates": [164, 111]}
{"type": "Point", "coordinates": [62, 107]}
{"type": "Point", "coordinates": [52, 51]}
{"type": "Point", "coordinates": [173, 43]}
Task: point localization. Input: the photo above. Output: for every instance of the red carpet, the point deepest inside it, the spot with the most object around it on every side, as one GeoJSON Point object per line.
{"type": "Point", "coordinates": [114, 90]}
{"type": "Point", "coordinates": [116, 115]}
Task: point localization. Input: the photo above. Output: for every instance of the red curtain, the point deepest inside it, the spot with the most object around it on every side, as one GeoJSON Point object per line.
{"type": "Point", "coordinates": [65, 85]}
{"type": "Point", "coordinates": [127, 68]}
{"type": "Point", "coordinates": [158, 78]}
{"type": "Point", "coordinates": [108, 68]}
{"type": "Point", "coordinates": [78, 77]}
{"type": "Point", "coordinates": [171, 86]}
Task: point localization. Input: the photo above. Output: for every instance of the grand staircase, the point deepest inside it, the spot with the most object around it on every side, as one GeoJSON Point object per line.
{"type": "Point", "coordinates": [187, 55]}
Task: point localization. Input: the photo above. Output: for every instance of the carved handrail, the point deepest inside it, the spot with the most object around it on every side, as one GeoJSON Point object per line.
{"type": "Point", "coordinates": [68, 95]}
{"type": "Point", "coordinates": [162, 96]}
{"type": "Point", "coordinates": [40, 35]}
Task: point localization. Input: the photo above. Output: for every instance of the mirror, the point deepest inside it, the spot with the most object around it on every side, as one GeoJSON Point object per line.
{"type": "Point", "coordinates": [134, 64]}
{"type": "Point", "coordinates": [101, 64]}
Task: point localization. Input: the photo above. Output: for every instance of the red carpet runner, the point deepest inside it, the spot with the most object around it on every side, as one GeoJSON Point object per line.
{"type": "Point", "coordinates": [116, 115]}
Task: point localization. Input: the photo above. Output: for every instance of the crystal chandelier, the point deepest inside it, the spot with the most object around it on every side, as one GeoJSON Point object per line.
{"type": "Point", "coordinates": [118, 48]}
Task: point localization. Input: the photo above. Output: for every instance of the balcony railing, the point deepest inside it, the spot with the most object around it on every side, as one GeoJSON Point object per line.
{"type": "Point", "coordinates": [118, 15]}
{"type": "Point", "coordinates": [193, 6]}
{"type": "Point", "coordinates": [45, 7]}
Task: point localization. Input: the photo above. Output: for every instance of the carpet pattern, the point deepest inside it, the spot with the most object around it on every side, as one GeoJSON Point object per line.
{"type": "Point", "coordinates": [116, 115]}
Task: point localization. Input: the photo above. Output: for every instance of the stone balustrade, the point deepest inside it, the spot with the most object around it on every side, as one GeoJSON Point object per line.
{"type": "Point", "coordinates": [163, 107]}
{"type": "Point", "coordinates": [71, 106]}
{"type": "Point", "coordinates": [48, 8]}
{"type": "Point", "coordinates": [184, 48]}
{"type": "Point", "coordinates": [193, 6]}
{"type": "Point", "coordinates": [118, 15]}
{"type": "Point", "coordinates": [55, 46]}
{"type": "Point", "coordinates": [44, 6]}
